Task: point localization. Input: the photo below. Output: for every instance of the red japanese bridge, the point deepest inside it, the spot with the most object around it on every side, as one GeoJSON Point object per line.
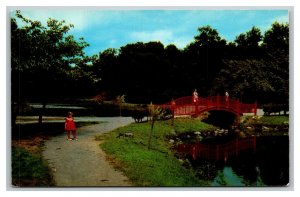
{"type": "Point", "coordinates": [187, 106]}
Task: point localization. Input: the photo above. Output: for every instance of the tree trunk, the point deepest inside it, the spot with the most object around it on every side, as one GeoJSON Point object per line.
{"type": "Point", "coordinates": [14, 114]}
{"type": "Point", "coordinates": [152, 125]}
{"type": "Point", "coordinates": [42, 111]}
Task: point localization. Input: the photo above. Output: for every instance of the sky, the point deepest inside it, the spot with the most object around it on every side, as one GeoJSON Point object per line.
{"type": "Point", "coordinates": [104, 28]}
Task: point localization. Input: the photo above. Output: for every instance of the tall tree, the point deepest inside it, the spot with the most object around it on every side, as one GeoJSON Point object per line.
{"type": "Point", "coordinates": [277, 38]}
{"type": "Point", "coordinates": [204, 57]}
{"type": "Point", "coordinates": [248, 44]}
{"type": "Point", "coordinates": [261, 72]}
{"type": "Point", "coordinates": [41, 58]}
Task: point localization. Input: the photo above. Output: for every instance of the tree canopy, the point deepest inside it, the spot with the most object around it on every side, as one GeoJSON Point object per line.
{"type": "Point", "coordinates": [47, 62]}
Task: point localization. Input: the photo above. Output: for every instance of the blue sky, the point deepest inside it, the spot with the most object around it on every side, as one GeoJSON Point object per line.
{"type": "Point", "coordinates": [104, 29]}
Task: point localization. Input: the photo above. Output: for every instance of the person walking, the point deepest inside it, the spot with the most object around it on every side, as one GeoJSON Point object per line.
{"type": "Point", "coordinates": [70, 126]}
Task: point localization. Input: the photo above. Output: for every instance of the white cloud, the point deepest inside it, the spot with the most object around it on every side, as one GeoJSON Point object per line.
{"type": "Point", "coordinates": [157, 35]}
{"type": "Point", "coordinates": [80, 18]}
{"type": "Point", "coordinates": [165, 36]}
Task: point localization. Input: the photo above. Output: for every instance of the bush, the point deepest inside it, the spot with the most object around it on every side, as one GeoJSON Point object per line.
{"type": "Point", "coordinates": [275, 108]}
{"type": "Point", "coordinates": [139, 113]}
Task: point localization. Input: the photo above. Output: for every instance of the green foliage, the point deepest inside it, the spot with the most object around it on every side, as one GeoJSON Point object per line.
{"type": "Point", "coordinates": [275, 108]}
{"type": "Point", "coordinates": [139, 113]}
{"type": "Point", "coordinates": [254, 64]}
{"type": "Point", "coordinates": [273, 120]}
{"type": "Point", "coordinates": [208, 36]}
{"type": "Point", "coordinates": [43, 60]}
{"type": "Point", "coordinates": [29, 169]}
{"type": "Point", "coordinates": [156, 166]}
{"type": "Point", "coordinates": [277, 38]}
{"type": "Point", "coordinates": [253, 80]}
{"type": "Point", "coordinates": [119, 100]}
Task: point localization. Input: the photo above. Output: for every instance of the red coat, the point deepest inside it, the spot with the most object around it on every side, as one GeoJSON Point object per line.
{"type": "Point", "coordinates": [70, 124]}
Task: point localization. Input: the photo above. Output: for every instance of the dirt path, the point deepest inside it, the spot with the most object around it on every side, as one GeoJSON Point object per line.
{"type": "Point", "coordinates": [82, 162]}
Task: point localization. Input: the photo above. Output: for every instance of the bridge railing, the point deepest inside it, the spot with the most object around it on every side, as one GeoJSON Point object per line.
{"type": "Point", "coordinates": [186, 106]}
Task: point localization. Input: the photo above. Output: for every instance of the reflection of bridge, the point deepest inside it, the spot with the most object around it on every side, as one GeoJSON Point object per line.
{"type": "Point", "coordinates": [219, 151]}
{"type": "Point", "coordinates": [186, 106]}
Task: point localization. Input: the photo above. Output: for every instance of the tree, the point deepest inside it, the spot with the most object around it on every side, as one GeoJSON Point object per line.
{"type": "Point", "coordinates": [253, 80]}
{"type": "Point", "coordinates": [256, 67]}
{"type": "Point", "coordinates": [248, 44]}
{"type": "Point", "coordinates": [204, 57]}
{"type": "Point", "coordinates": [277, 38]}
{"type": "Point", "coordinates": [155, 114]}
{"type": "Point", "coordinates": [208, 37]}
{"type": "Point", "coordinates": [120, 99]}
{"type": "Point", "coordinates": [41, 58]}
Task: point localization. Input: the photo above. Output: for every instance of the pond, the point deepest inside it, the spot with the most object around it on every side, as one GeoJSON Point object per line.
{"type": "Point", "coordinates": [256, 161]}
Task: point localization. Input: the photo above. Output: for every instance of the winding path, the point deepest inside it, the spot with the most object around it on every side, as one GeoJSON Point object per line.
{"type": "Point", "coordinates": [83, 163]}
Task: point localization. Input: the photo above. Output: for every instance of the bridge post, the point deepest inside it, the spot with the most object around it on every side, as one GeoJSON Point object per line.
{"type": "Point", "coordinates": [173, 110]}
{"type": "Point", "coordinates": [255, 108]}
{"type": "Point", "coordinates": [218, 101]}
{"type": "Point", "coordinates": [197, 108]}
{"type": "Point", "coordinates": [238, 107]}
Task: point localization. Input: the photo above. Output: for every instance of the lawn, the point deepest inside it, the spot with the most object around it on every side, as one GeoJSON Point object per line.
{"type": "Point", "coordinates": [274, 120]}
{"type": "Point", "coordinates": [156, 166]}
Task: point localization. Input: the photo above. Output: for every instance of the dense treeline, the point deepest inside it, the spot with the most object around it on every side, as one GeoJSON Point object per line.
{"type": "Point", "coordinates": [254, 67]}
{"type": "Point", "coordinates": [49, 64]}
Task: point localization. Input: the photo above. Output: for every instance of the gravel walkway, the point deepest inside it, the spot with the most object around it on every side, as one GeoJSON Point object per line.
{"type": "Point", "coordinates": [83, 163]}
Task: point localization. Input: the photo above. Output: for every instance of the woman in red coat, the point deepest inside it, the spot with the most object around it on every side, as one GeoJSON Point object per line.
{"type": "Point", "coordinates": [70, 126]}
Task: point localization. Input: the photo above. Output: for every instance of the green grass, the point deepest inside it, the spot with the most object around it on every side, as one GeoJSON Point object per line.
{"type": "Point", "coordinates": [156, 166]}
{"type": "Point", "coordinates": [274, 120]}
{"type": "Point", "coordinates": [29, 169]}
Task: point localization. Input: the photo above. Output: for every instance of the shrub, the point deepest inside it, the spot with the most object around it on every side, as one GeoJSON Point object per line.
{"type": "Point", "coordinates": [139, 113]}
{"type": "Point", "coordinates": [275, 108]}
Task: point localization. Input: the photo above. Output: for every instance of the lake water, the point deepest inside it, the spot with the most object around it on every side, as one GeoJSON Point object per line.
{"type": "Point", "coordinates": [265, 165]}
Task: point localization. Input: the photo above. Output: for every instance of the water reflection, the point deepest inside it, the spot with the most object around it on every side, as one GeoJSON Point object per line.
{"type": "Point", "coordinates": [267, 165]}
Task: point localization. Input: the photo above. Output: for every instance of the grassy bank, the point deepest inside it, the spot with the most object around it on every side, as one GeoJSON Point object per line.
{"type": "Point", "coordinates": [29, 169]}
{"type": "Point", "coordinates": [274, 120]}
{"type": "Point", "coordinates": [156, 166]}
{"type": "Point", "coordinates": [267, 120]}
{"type": "Point", "coordinates": [264, 126]}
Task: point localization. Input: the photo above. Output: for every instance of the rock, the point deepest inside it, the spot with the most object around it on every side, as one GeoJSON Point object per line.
{"type": "Point", "coordinates": [264, 128]}
{"type": "Point", "coordinates": [171, 141]}
{"type": "Point", "coordinates": [127, 134]}
{"type": "Point", "coordinates": [242, 134]}
{"type": "Point", "coordinates": [216, 132]}
{"type": "Point", "coordinates": [197, 133]}
{"type": "Point", "coordinates": [199, 137]}
{"type": "Point", "coordinates": [173, 132]}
